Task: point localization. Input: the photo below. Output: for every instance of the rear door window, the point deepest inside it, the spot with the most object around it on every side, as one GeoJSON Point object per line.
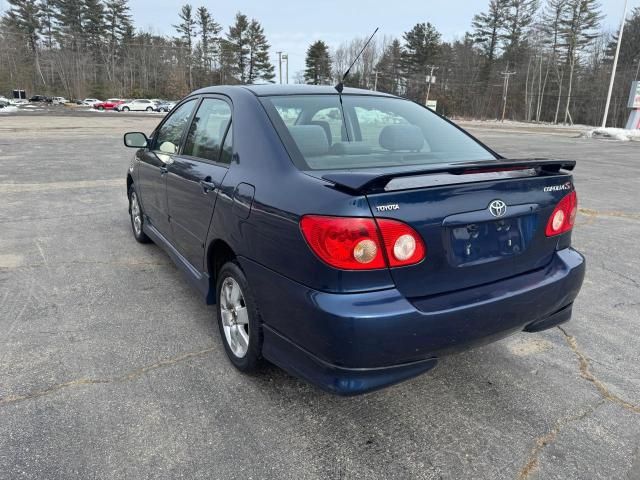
{"type": "Point", "coordinates": [207, 130]}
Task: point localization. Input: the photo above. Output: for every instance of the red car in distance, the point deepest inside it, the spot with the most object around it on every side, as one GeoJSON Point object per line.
{"type": "Point", "coordinates": [109, 104]}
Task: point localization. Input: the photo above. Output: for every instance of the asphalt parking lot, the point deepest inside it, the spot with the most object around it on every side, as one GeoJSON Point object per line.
{"type": "Point", "coordinates": [111, 366]}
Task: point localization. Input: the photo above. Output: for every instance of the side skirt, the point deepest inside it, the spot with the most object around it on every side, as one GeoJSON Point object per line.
{"type": "Point", "coordinates": [199, 280]}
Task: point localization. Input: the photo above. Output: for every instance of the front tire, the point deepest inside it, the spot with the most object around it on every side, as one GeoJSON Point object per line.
{"type": "Point", "coordinates": [125, 109]}
{"type": "Point", "coordinates": [238, 319]}
{"type": "Point", "coordinates": [137, 217]}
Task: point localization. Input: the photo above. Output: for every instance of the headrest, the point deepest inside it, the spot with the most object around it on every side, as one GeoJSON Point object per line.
{"type": "Point", "coordinates": [310, 139]}
{"type": "Point", "coordinates": [350, 148]}
{"type": "Point", "coordinates": [325, 126]}
{"type": "Point", "coordinates": [401, 137]}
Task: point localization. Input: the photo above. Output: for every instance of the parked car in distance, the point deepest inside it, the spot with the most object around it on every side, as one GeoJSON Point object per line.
{"type": "Point", "coordinates": [90, 102]}
{"type": "Point", "coordinates": [40, 98]}
{"type": "Point", "coordinates": [138, 105]}
{"type": "Point", "coordinates": [109, 104]}
{"type": "Point", "coordinates": [165, 106]}
{"type": "Point", "coordinates": [59, 100]}
{"type": "Point", "coordinates": [352, 239]}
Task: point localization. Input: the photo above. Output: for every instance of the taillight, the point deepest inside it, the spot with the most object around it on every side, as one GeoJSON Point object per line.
{"type": "Point", "coordinates": [402, 243]}
{"type": "Point", "coordinates": [563, 216]}
{"type": "Point", "coordinates": [353, 243]}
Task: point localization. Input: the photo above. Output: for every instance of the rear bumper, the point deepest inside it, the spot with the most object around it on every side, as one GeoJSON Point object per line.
{"type": "Point", "coordinates": [354, 343]}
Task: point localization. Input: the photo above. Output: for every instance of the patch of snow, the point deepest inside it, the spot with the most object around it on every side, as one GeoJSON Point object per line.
{"type": "Point", "coordinates": [9, 109]}
{"type": "Point", "coordinates": [620, 134]}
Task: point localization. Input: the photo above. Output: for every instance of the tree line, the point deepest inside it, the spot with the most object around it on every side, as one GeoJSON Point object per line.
{"type": "Point", "coordinates": [91, 48]}
{"type": "Point", "coordinates": [554, 54]}
{"type": "Point", "coordinates": [534, 60]}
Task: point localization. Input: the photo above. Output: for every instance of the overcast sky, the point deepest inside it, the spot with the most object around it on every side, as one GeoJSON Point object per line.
{"type": "Point", "coordinates": [290, 25]}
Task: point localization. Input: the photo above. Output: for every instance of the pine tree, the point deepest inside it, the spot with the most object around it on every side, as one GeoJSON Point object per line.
{"type": "Point", "coordinates": [94, 27]}
{"type": "Point", "coordinates": [630, 46]}
{"type": "Point", "coordinates": [551, 27]}
{"type": "Point", "coordinates": [487, 29]}
{"type": "Point", "coordinates": [187, 30]}
{"type": "Point", "coordinates": [209, 30]}
{"type": "Point", "coordinates": [260, 67]}
{"type": "Point", "coordinates": [117, 19]}
{"type": "Point", "coordinates": [519, 16]}
{"type": "Point", "coordinates": [318, 64]}
{"type": "Point", "coordinates": [421, 48]}
{"type": "Point", "coordinates": [236, 48]}
{"type": "Point", "coordinates": [47, 14]}
{"type": "Point", "coordinates": [389, 69]}
{"type": "Point", "coordinates": [69, 24]}
{"type": "Point", "coordinates": [578, 29]}
{"type": "Point", "coordinates": [24, 18]}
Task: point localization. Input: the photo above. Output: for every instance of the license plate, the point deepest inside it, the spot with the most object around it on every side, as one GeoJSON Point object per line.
{"type": "Point", "coordinates": [487, 241]}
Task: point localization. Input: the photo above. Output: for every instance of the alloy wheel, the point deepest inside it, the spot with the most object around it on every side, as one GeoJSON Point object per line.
{"type": "Point", "coordinates": [136, 214]}
{"type": "Point", "coordinates": [235, 317]}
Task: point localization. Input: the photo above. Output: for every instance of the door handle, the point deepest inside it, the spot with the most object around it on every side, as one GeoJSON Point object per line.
{"type": "Point", "coordinates": [163, 170]}
{"type": "Point", "coordinates": [207, 186]}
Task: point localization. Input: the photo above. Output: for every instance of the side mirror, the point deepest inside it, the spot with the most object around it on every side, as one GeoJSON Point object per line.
{"type": "Point", "coordinates": [135, 140]}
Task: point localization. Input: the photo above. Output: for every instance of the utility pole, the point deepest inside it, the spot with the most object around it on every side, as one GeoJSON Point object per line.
{"type": "Point", "coordinates": [615, 65]}
{"type": "Point", "coordinates": [280, 66]}
{"type": "Point", "coordinates": [286, 57]}
{"type": "Point", "coordinates": [505, 89]}
{"type": "Point", "coordinates": [433, 69]}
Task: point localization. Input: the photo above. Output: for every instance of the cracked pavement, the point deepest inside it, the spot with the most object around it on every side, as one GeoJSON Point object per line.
{"type": "Point", "coordinates": [111, 366]}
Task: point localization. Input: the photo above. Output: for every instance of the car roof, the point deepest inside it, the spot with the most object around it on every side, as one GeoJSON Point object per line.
{"type": "Point", "coordinates": [271, 89]}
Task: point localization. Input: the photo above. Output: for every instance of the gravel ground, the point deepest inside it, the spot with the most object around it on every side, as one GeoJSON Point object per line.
{"type": "Point", "coordinates": [111, 366]}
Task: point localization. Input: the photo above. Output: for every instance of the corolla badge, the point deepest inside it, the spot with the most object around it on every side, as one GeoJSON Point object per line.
{"type": "Point", "coordinates": [557, 188]}
{"type": "Point", "coordinates": [498, 208]}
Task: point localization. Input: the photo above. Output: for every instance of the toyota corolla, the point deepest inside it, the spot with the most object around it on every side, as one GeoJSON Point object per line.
{"type": "Point", "coordinates": [352, 238]}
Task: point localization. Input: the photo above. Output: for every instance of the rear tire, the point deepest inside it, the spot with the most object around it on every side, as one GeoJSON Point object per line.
{"type": "Point", "coordinates": [101, 108]}
{"type": "Point", "coordinates": [149, 109]}
{"type": "Point", "coordinates": [238, 319]}
{"type": "Point", "coordinates": [137, 217]}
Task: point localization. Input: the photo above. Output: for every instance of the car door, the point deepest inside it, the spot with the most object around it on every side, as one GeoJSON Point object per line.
{"type": "Point", "coordinates": [195, 177]}
{"type": "Point", "coordinates": [154, 163]}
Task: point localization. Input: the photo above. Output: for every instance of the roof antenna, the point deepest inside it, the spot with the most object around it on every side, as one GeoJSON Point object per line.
{"type": "Point", "coordinates": [340, 86]}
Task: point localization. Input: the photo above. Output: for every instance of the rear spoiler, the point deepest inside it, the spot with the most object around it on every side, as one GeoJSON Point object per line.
{"type": "Point", "coordinates": [376, 179]}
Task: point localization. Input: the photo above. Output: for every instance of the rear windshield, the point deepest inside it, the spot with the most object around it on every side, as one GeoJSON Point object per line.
{"type": "Point", "coordinates": [366, 132]}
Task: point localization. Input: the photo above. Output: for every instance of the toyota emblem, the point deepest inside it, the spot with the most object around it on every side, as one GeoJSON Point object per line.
{"type": "Point", "coordinates": [498, 208]}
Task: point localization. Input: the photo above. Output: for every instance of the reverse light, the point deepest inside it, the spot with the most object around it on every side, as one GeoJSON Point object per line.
{"type": "Point", "coordinates": [355, 243]}
{"type": "Point", "coordinates": [405, 247]}
{"type": "Point", "coordinates": [402, 243]}
{"type": "Point", "coordinates": [564, 215]}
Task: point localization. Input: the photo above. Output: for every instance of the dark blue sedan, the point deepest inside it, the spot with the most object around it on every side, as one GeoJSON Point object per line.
{"type": "Point", "coordinates": [352, 239]}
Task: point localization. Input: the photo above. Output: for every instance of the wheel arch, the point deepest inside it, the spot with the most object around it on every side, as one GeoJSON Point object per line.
{"type": "Point", "coordinates": [218, 253]}
{"type": "Point", "coordinates": [129, 182]}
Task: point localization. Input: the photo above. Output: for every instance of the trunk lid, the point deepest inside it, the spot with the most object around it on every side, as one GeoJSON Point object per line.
{"type": "Point", "coordinates": [468, 244]}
